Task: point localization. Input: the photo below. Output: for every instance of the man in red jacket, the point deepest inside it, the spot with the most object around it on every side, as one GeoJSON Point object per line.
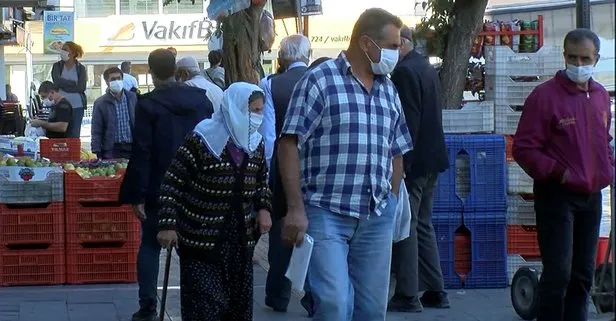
{"type": "Point", "coordinates": [562, 142]}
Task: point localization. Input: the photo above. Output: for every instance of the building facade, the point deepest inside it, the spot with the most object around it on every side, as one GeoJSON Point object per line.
{"type": "Point", "coordinates": [112, 31]}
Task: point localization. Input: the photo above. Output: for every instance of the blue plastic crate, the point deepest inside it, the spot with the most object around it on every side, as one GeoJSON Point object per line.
{"type": "Point", "coordinates": [445, 226]}
{"type": "Point", "coordinates": [482, 161]}
{"type": "Point", "coordinates": [488, 250]}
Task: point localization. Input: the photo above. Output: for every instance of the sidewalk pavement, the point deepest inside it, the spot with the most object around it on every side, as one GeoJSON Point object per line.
{"type": "Point", "coordinates": [118, 302]}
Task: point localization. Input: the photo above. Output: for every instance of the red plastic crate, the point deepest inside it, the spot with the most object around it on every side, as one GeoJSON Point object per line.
{"type": "Point", "coordinates": [509, 148]}
{"type": "Point", "coordinates": [109, 224]}
{"type": "Point", "coordinates": [101, 265]}
{"type": "Point", "coordinates": [33, 266]}
{"type": "Point", "coordinates": [32, 224]}
{"type": "Point", "coordinates": [522, 240]}
{"type": "Point", "coordinates": [96, 189]}
{"type": "Point", "coordinates": [61, 149]}
{"type": "Point", "coordinates": [462, 255]}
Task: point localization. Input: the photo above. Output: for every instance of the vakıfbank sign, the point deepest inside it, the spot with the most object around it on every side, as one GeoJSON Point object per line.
{"type": "Point", "coordinates": [128, 31]}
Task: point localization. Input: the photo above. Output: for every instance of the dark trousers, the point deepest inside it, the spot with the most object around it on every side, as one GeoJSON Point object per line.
{"type": "Point", "coordinates": [277, 286]}
{"type": "Point", "coordinates": [567, 232]}
{"type": "Point", "coordinates": [415, 259]}
{"type": "Point", "coordinates": [147, 263]}
{"type": "Point", "coordinates": [121, 150]}
{"type": "Point", "coordinates": [76, 125]}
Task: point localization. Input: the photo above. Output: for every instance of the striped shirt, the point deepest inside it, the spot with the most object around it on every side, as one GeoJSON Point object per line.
{"type": "Point", "coordinates": [347, 138]}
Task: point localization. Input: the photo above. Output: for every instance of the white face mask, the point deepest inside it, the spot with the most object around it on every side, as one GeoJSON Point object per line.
{"type": "Point", "coordinates": [389, 59]}
{"type": "Point", "coordinates": [64, 55]}
{"type": "Point", "coordinates": [116, 86]}
{"type": "Point", "coordinates": [47, 102]}
{"type": "Point", "coordinates": [579, 74]}
{"type": "Point", "coordinates": [255, 122]}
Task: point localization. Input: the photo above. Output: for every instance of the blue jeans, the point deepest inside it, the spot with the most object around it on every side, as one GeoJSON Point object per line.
{"type": "Point", "coordinates": [350, 264]}
{"type": "Point", "coordinates": [76, 122]}
{"type": "Point", "coordinates": [147, 264]}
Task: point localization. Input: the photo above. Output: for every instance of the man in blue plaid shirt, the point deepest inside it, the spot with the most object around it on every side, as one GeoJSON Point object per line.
{"type": "Point", "coordinates": [340, 158]}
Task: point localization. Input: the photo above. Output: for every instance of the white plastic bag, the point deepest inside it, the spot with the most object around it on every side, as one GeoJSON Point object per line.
{"type": "Point", "coordinates": [402, 227]}
{"type": "Point", "coordinates": [298, 264]}
{"type": "Point", "coordinates": [215, 41]}
{"type": "Point", "coordinates": [34, 133]}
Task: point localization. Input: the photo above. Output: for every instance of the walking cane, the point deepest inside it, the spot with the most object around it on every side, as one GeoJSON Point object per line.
{"type": "Point", "coordinates": [163, 299]}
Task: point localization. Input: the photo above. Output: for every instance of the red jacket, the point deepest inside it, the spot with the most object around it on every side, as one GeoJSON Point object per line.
{"type": "Point", "coordinates": [565, 128]}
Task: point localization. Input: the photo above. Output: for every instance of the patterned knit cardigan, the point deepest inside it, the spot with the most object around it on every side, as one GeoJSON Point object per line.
{"type": "Point", "coordinates": [199, 192]}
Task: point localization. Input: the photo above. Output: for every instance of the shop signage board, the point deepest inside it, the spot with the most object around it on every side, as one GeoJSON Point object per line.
{"type": "Point", "coordinates": [158, 30]}
{"type": "Point", "coordinates": [58, 28]}
{"type": "Point", "coordinates": [310, 7]}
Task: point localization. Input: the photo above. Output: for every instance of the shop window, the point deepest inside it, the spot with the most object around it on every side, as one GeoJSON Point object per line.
{"type": "Point", "coordinates": [142, 73]}
{"type": "Point", "coordinates": [183, 7]}
{"type": "Point", "coordinates": [130, 7]}
{"type": "Point", "coordinates": [41, 73]}
{"type": "Point", "coordinates": [94, 8]}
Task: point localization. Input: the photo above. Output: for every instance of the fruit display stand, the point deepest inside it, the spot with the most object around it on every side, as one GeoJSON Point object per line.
{"type": "Point", "coordinates": [102, 236]}
{"type": "Point", "coordinates": [32, 243]}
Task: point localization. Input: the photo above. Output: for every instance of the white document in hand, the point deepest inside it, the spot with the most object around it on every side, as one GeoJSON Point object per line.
{"type": "Point", "coordinates": [298, 264]}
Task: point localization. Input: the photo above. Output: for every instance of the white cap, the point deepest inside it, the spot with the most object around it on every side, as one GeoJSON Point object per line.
{"type": "Point", "coordinates": [188, 63]}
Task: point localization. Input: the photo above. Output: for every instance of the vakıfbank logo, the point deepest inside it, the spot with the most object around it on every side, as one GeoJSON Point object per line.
{"type": "Point", "coordinates": [125, 33]}
{"type": "Point", "coordinates": [152, 31]}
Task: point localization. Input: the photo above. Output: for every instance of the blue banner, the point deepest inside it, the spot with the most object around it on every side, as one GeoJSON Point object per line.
{"type": "Point", "coordinates": [58, 28]}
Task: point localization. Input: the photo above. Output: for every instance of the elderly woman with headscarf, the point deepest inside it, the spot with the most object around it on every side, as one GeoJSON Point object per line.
{"type": "Point", "coordinates": [215, 183]}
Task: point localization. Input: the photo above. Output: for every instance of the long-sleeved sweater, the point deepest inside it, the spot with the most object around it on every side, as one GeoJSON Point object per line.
{"type": "Point", "coordinates": [200, 192]}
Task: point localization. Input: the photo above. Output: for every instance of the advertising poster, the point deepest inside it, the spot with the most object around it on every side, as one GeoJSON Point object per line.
{"type": "Point", "coordinates": [58, 28]}
{"type": "Point", "coordinates": [311, 7]}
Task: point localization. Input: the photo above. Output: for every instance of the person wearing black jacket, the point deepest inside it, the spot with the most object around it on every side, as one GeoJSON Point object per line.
{"type": "Point", "coordinates": [163, 118]}
{"type": "Point", "coordinates": [293, 57]}
{"type": "Point", "coordinates": [420, 92]}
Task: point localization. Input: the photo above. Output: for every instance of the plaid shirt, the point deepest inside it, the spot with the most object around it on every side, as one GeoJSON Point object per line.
{"type": "Point", "coordinates": [123, 132]}
{"type": "Point", "coordinates": [347, 138]}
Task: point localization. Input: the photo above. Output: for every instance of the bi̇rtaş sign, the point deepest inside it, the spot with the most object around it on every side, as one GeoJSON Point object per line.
{"type": "Point", "coordinates": [157, 30]}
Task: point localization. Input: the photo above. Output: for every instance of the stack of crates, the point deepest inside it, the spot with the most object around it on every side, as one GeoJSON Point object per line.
{"type": "Point", "coordinates": [469, 214]}
{"type": "Point", "coordinates": [510, 77]}
{"type": "Point", "coordinates": [522, 246]}
{"type": "Point", "coordinates": [32, 244]}
{"type": "Point", "coordinates": [102, 236]}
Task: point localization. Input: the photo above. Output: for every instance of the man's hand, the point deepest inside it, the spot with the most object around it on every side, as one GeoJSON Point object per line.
{"type": "Point", "coordinates": [167, 238]}
{"type": "Point", "coordinates": [139, 211]}
{"type": "Point", "coordinates": [264, 221]}
{"type": "Point", "coordinates": [294, 226]}
{"type": "Point", "coordinates": [36, 123]}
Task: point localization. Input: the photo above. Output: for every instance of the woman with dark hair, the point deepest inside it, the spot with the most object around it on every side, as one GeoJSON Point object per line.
{"type": "Point", "coordinates": [215, 183]}
{"type": "Point", "coordinates": [71, 77]}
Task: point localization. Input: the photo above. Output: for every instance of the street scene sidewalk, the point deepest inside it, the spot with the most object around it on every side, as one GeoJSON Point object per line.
{"type": "Point", "coordinates": [118, 302]}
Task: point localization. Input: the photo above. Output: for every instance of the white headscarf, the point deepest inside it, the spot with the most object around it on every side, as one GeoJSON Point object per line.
{"type": "Point", "coordinates": [233, 120]}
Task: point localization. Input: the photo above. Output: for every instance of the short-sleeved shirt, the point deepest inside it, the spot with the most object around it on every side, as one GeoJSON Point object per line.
{"type": "Point", "coordinates": [347, 138]}
{"type": "Point", "coordinates": [61, 112]}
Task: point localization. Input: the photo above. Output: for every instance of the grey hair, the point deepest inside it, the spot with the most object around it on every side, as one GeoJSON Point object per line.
{"type": "Point", "coordinates": [295, 48]}
{"type": "Point", "coordinates": [578, 35]}
{"type": "Point", "coordinates": [192, 72]}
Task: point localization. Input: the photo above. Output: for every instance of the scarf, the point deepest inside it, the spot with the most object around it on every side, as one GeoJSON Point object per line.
{"type": "Point", "coordinates": [231, 121]}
